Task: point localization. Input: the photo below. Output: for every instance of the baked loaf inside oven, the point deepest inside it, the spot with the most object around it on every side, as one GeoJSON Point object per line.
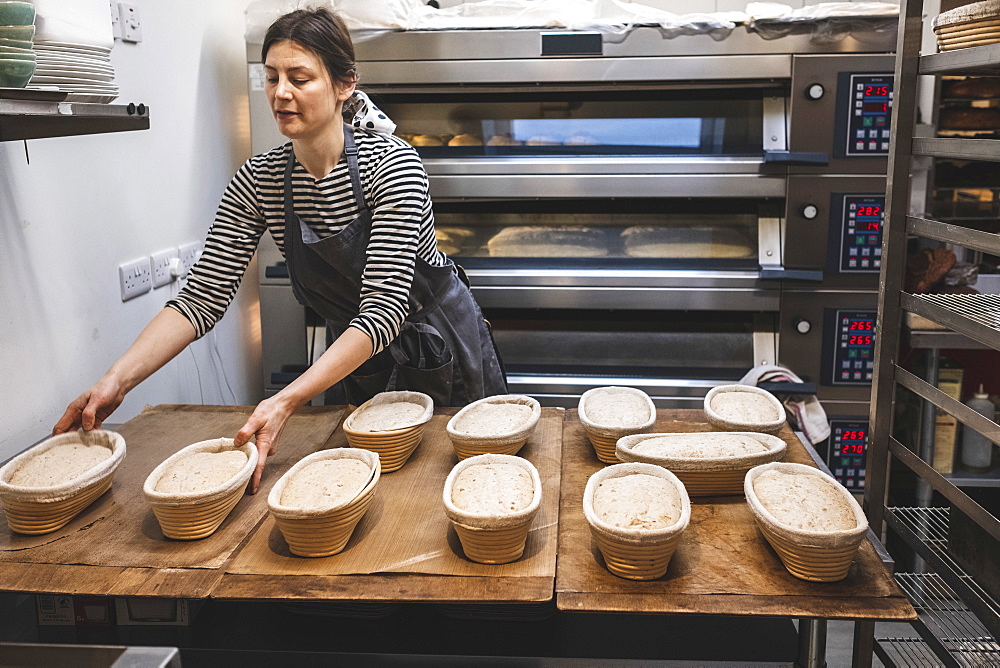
{"type": "Point", "coordinates": [803, 501]}
{"type": "Point", "coordinates": [427, 140]}
{"type": "Point", "coordinates": [969, 118]}
{"type": "Point", "coordinates": [503, 140]}
{"type": "Point", "coordinates": [972, 88]}
{"type": "Point", "coordinates": [686, 242]}
{"type": "Point", "coordinates": [387, 416]}
{"type": "Point", "coordinates": [465, 140]}
{"type": "Point", "coordinates": [200, 471]}
{"type": "Point", "coordinates": [326, 483]}
{"type": "Point", "coordinates": [59, 464]}
{"type": "Point", "coordinates": [492, 488]}
{"type": "Point", "coordinates": [538, 241]}
{"type": "Point", "coordinates": [637, 501]}
{"type": "Point", "coordinates": [927, 268]}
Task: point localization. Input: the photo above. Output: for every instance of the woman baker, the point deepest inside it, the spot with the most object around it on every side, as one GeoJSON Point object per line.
{"type": "Point", "coordinates": [348, 206]}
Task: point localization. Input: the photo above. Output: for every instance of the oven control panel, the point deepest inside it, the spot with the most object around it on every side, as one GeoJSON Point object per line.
{"type": "Point", "coordinates": [857, 223]}
{"type": "Point", "coordinates": [848, 453]}
{"type": "Point", "coordinates": [849, 347]}
{"type": "Point", "coordinates": [865, 107]}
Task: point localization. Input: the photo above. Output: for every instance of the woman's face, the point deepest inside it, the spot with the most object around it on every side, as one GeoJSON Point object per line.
{"type": "Point", "coordinates": [303, 98]}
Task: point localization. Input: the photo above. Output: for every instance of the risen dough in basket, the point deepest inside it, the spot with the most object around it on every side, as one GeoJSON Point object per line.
{"type": "Point", "coordinates": [698, 445]}
{"type": "Point", "coordinates": [804, 501]}
{"type": "Point", "coordinates": [637, 501]}
{"type": "Point", "coordinates": [488, 419]}
{"type": "Point", "coordinates": [326, 483]}
{"type": "Point", "coordinates": [496, 488]}
{"type": "Point", "coordinates": [386, 417]}
{"type": "Point", "coordinates": [744, 407]}
{"type": "Point", "coordinates": [59, 464]}
{"type": "Point", "coordinates": [201, 471]}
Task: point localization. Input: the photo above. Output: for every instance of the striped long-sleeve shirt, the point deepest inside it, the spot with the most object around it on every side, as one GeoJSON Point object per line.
{"type": "Point", "coordinates": [396, 191]}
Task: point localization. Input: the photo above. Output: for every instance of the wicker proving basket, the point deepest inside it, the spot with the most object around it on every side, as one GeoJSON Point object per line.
{"type": "Point", "coordinates": [493, 539]}
{"type": "Point", "coordinates": [767, 427]}
{"type": "Point", "coordinates": [706, 476]}
{"type": "Point", "coordinates": [322, 532]}
{"type": "Point", "coordinates": [506, 443]}
{"type": "Point", "coordinates": [817, 556]}
{"type": "Point", "coordinates": [635, 554]}
{"type": "Point", "coordinates": [40, 510]}
{"type": "Point", "coordinates": [395, 446]}
{"type": "Point", "coordinates": [194, 515]}
{"type": "Point", "coordinates": [976, 24]}
{"type": "Point", "coordinates": [604, 437]}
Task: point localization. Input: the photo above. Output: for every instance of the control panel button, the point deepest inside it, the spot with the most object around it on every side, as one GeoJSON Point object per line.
{"type": "Point", "coordinates": [815, 91]}
{"type": "Point", "coordinates": [803, 326]}
{"type": "Point", "coordinates": [809, 211]}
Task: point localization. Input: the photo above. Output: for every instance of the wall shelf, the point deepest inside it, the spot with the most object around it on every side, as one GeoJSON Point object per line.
{"type": "Point", "coordinates": [38, 119]}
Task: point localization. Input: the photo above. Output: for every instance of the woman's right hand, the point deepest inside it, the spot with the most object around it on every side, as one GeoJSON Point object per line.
{"type": "Point", "coordinates": [90, 409]}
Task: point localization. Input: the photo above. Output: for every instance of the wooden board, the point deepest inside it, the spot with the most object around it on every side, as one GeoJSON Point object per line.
{"type": "Point", "coordinates": [722, 566]}
{"type": "Point", "coordinates": [120, 530]}
{"type": "Point", "coordinates": [405, 548]}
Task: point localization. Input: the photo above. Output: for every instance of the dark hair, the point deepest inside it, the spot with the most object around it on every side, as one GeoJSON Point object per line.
{"type": "Point", "coordinates": [322, 32]}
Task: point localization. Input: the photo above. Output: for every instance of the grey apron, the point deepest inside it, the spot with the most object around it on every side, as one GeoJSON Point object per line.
{"type": "Point", "coordinates": [444, 349]}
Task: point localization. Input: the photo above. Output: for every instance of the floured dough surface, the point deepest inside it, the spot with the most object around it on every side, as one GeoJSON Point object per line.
{"type": "Point", "coordinates": [804, 501]}
{"type": "Point", "coordinates": [616, 408]}
{"type": "Point", "coordinates": [637, 501]}
{"type": "Point", "coordinates": [492, 489]}
{"type": "Point", "coordinates": [201, 471]}
{"type": "Point", "coordinates": [386, 417]}
{"type": "Point", "coordinates": [493, 419]}
{"type": "Point", "coordinates": [59, 464]}
{"type": "Point", "coordinates": [700, 446]}
{"type": "Point", "coordinates": [745, 407]}
{"type": "Point", "coordinates": [326, 483]}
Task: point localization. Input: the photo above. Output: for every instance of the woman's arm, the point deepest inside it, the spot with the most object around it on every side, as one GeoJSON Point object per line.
{"type": "Point", "coordinates": [349, 351]}
{"type": "Point", "coordinates": [164, 337]}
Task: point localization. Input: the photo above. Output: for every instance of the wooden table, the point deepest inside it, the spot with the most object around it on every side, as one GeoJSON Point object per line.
{"type": "Point", "coordinates": [723, 566]}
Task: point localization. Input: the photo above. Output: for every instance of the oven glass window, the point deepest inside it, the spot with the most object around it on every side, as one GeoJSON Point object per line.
{"type": "Point", "coordinates": [649, 123]}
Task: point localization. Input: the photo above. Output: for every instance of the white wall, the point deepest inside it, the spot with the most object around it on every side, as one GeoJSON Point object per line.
{"type": "Point", "coordinates": [85, 204]}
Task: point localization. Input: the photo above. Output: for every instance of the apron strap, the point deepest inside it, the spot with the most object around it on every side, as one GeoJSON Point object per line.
{"type": "Point", "coordinates": [351, 155]}
{"type": "Point", "coordinates": [305, 232]}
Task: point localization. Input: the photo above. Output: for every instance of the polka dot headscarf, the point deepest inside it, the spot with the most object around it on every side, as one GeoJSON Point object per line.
{"type": "Point", "coordinates": [360, 112]}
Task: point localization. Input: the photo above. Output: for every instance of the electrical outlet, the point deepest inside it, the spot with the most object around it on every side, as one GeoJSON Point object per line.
{"type": "Point", "coordinates": [130, 24]}
{"type": "Point", "coordinates": [161, 266]}
{"type": "Point", "coordinates": [116, 24]}
{"type": "Point", "coordinates": [189, 254]}
{"type": "Point", "coordinates": [135, 278]}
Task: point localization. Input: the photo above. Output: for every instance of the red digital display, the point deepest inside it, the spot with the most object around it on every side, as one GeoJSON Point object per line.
{"type": "Point", "coordinates": [859, 341]}
{"type": "Point", "coordinates": [876, 90]}
{"type": "Point", "coordinates": [854, 435]}
{"type": "Point", "coordinates": [871, 226]}
{"type": "Point", "coordinates": [852, 448]}
{"type": "Point", "coordinates": [876, 107]}
{"type": "Point", "coordinates": [869, 210]}
{"type": "Point", "coordinates": [861, 326]}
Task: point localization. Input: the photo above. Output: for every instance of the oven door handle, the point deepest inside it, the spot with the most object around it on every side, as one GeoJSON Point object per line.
{"type": "Point", "coordinates": [788, 388]}
{"type": "Point", "coordinates": [796, 158]}
{"type": "Point", "coordinates": [791, 274]}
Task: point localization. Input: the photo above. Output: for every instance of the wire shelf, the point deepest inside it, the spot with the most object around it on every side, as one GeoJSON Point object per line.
{"type": "Point", "coordinates": [926, 530]}
{"type": "Point", "coordinates": [906, 652]}
{"type": "Point", "coordinates": [949, 622]}
{"type": "Point", "coordinates": [975, 316]}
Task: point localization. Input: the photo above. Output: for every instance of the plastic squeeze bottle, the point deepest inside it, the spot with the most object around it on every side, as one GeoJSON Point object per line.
{"type": "Point", "coordinates": [977, 450]}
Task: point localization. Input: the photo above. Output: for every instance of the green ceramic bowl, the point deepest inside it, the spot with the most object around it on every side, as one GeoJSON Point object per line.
{"type": "Point", "coordinates": [23, 33]}
{"type": "Point", "coordinates": [17, 43]}
{"type": "Point", "coordinates": [15, 73]}
{"type": "Point", "coordinates": [16, 13]}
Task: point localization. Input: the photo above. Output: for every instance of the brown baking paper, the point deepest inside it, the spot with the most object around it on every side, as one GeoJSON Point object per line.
{"type": "Point", "coordinates": [406, 531]}
{"type": "Point", "coordinates": [119, 529]}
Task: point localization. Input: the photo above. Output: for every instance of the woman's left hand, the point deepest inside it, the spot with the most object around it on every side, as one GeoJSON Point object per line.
{"type": "Point", "coordinates": [266, 423]}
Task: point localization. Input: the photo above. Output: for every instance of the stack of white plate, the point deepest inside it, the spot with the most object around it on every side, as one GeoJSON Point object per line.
{"type": "Point", "coordinates": [83, 71]}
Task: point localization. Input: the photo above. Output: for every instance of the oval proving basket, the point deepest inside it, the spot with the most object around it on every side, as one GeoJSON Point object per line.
{"type": "Point", "coordinates": [604, 437]}
{"type": "Point", "coordinates": [767, 426]}
{"type": "Point", "coordinates": [818, 556]}
{"type": "Point", "coordinates": [705, 476]}
{"type": "Point", "coordinates": [635, 554]}
{"type": "Point", "coordinates": [493, 539]}
{"type": "Point", "coordinates": [394, 446]}
{"type": "Point", "coordinates": [505, 442]}
{"type": "Point", "coordinates": [193, 515]}
{"type": "Point", "coordinates": [39, 510]}
{"type": "Point", "coordinates": [321, 532]}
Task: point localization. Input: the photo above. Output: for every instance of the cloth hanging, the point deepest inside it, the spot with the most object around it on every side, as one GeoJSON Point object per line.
{"type": "Point", "coordinates": [805, 410]}
{"type": "Point", "coordinates": [361, 112]}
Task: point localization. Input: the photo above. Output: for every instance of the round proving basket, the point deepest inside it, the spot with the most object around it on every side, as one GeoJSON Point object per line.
{"type": "Point", "coordinates": [321, 532]}
{"type": "Point", "coordinates": [40, 510]}
{"type": "Point", "coordinates": [605, 437]}
{"type": "Point", "coordinates": [635, 554]}
{"type": "Point", "coordinates": [817, 556]}
{"type": "Point", "coordinates": [766, 426]}
{"type": "Point", "coordinates": [503, 442]}
{"type": "Point", "coordinates": [394, 446]}
{"type": "Point", "coordinates": [705, 476]}
{"type": "Point", "coordinates": [493, 539]}
{"type": "Point", "coordinates": [975, 24]}
{"type": "Point", "coordinates": [194, 515]}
